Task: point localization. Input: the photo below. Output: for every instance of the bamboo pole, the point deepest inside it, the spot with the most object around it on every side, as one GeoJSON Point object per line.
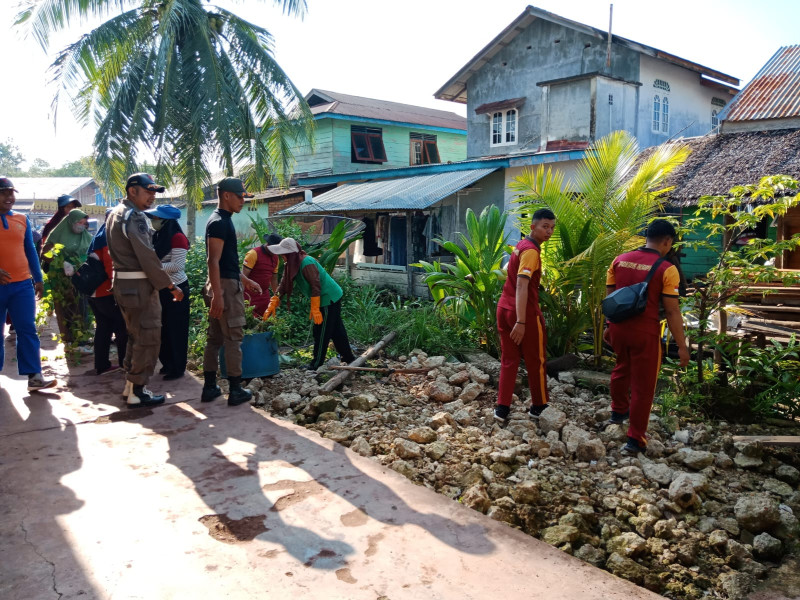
{"type": "Point", "coordinates": [339, 378]}
{"type": "Point", "coordinates": [387, 370]}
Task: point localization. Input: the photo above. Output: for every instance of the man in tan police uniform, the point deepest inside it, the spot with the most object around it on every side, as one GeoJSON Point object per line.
{"type": "Point", "coordinates": [137, 278]}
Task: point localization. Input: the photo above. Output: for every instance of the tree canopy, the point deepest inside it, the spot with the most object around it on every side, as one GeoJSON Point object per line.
{"type": "Point", "coordinates": [189, 83]}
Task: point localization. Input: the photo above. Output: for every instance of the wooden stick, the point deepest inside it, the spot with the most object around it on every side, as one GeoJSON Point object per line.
{"type": "Point", "coordinates": [388, 370]}
{"type": "Point", "coordinates": [770, 440]}
{"type": "Point", "coordinates": [339, 378]}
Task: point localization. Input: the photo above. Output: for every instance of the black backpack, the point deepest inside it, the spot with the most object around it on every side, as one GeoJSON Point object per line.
{"type": "Point", "coordinates": [629, 301]}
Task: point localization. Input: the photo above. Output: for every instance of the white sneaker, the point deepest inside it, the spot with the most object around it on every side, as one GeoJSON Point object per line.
{"type": "Point", "coordinates": [37, 382]}
{"type": "Point", "coordinates": [145, 398]}
{"type": "Point", "coordinates": [128, 389]}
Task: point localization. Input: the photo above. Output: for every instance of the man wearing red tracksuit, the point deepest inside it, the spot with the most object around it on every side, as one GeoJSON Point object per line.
{"type": "Point", "coordinates": [520, 321]}
{"type": "Point", "coordinates": [637, 341]}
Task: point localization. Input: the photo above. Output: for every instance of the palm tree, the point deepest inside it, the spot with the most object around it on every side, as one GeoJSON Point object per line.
{"type": "Point", "coordinates": [598, 216]}
{"type": "Point", "coordinates": [189, 83]}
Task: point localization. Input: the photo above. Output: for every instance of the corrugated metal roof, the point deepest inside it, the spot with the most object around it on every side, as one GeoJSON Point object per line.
{"type": "Point", "coordinates": [370, 108]}
{"type": "Point", "coordinates": [48, 188]}
{"type": "Point", "coordinates": [774, 93]}
{"type": "Point", "coordinates": [406, 193]}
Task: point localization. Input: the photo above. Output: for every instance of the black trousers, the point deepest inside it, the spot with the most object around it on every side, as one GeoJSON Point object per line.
{"type": "Point", "coordinates": [109, 321]}
{"type": "Point", "coordinates": [332, 328]}
{"type": "Point", "coordinates": [174, 331]}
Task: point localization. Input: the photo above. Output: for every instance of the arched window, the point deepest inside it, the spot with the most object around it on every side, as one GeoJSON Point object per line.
{"type": "Point", "coordinates": [656, 113]}
{"type": "Point", "coordinates": [665, 115]}
{"type": "Point", "coordinates": [511, 126]}
{"type": "Point", "coordinates": [504, 127]}
{"type": "Point", "coordinates": [497, 128]}
{"type": "Point", "coordinates": [714, 119]}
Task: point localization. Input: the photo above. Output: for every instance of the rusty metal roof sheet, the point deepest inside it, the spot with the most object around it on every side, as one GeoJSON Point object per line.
{"type": "Point", "coordinates": [325, 102]}
{"type": "Point", "coordinates": [774, 92]}
{"type": "Point", "coordinates": [405, 193]}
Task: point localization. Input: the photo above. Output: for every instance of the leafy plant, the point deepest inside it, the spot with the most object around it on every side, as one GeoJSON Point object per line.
{"type": "Point", "coordinates": [59, 288]}
{"type": "Point", "coordinates": [598, 217]}
{"type": "Point", "coordinates": [370, 312]}
{"type": "Point", "coordinates": [326, 253]}
{"type": "Point", "coordinates": [470, 288]}
{"type": "Point", "coordinates": [736, 271]}
{"type": "Point", "coordinates": [191, 83]}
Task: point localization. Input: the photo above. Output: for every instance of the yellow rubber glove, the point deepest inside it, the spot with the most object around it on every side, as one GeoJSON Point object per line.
{"type": "Point", "coordinates": [274, 302]}
{"type": "Point", "coordinates": [315, 315]}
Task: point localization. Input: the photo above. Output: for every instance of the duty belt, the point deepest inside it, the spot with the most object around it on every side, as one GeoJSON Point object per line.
{"type": "Point", "coordinates": [130, 274]}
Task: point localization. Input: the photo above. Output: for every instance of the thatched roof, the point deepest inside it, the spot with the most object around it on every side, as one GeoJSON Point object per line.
{"type": "Point", "coordinates": [719, 162]}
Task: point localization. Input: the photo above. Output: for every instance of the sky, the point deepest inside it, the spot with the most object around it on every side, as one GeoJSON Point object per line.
{"type": "Point", "coordinates": [401, 51]}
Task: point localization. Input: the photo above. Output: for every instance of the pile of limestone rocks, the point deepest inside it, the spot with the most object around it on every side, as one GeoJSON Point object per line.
{"type": "Point", "coordinates": [698, 515]}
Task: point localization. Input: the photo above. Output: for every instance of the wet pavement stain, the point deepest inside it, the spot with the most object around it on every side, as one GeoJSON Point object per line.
{"type": "Point", "coordinates": [232, 531]}
{"type": "Point", "coordinates": [300, 490]}
{"type": "Point", "coordinates": [128, 415]}
{"type": "Point", "coordinates": [324, 553]}
{"type": "Point", "coordinates": [354, 518]}
{"type": "Point", "coordinates": [372, 544]}
{"type": "Point", "coordinates": [344, 575]}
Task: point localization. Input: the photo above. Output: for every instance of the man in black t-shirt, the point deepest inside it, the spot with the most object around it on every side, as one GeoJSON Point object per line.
{"type": "Point", "coordinates": [223, 294]}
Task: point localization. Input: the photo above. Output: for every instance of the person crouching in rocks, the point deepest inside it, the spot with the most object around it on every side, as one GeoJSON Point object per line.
{"type": "Point", "coordinates": [326, 300]}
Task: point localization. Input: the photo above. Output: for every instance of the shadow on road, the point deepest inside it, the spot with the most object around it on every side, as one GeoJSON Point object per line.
{"type": "Point", "coordinates": [32, 498]}
{"type": "Point", "coordinates": [233, 490]}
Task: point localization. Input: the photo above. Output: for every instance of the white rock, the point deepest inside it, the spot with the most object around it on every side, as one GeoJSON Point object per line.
{"type": "Point", "coordinates": [572, 436]}
{"type": "Point", "coordinates": [361, 446]}
{"type": "Point", "coordinates": [471, 391]}
{"type": "Point", "coordinates": [552, 419]}
{"type": "Point", "coordinates": [441, 419]}
{"type": "Point", "coordinates": [406, 448]}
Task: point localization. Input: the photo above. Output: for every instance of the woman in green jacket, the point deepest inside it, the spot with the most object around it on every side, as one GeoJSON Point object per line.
{"type": "Point", "coordinates": [326, 300]}
{"type": "Point", "coordinates": [71, 308]}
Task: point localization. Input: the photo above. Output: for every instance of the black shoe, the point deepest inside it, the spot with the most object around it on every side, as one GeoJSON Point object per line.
{"type": "Point", "coordinates": [633, 447]}
{"type": "Point", "coordinates": [172, 376]}
{"type": "Point", "coordinates": [501, 413]}
{"type": "Point", "coordinates": [163, 371]}
{"type": "Point", "coordinates": [210, 393]}
{"type": "Point", "coordinates": [143, 397]}
{"type": "Point", "coordinates": [239, 396]}
{"type": "Point", "coordinates": [618, 418]}
{"type": "Point", "coordinates": [534, 411]}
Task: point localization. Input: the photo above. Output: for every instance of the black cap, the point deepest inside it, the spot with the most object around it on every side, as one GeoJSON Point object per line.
{"type": "Point", "coordinates": [144, 180]}
{"type": "Point", "coordinates": [5, 184]}
{"type": "Point", "coordinates": [235, 185]}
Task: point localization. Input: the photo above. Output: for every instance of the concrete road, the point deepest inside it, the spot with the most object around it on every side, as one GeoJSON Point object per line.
{"type": "Point", "coordinates": [195, 501]}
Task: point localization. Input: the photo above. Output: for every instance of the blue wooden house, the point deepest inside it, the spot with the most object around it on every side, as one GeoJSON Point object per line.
{"type": "Point", "coordinates": [355, 134]}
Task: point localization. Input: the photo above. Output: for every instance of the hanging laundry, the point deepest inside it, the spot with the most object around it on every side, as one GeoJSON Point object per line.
{"type": "Point", "coordinates": [370, 243]}
{"type": "Point", "coordinates": [397, 241]}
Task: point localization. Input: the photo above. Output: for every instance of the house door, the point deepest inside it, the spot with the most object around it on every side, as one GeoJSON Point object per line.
{"type": "Point", "coordinates": [791, 226]}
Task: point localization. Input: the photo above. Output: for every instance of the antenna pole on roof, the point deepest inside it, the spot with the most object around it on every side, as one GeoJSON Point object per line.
{"type": "Point", "coordinates": [608, 50]}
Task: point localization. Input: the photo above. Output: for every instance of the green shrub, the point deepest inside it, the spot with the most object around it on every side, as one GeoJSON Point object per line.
{"type": "Point", "coordinates": [599, 215]}
{"type": "Point", "coordinates": [468, 290]}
